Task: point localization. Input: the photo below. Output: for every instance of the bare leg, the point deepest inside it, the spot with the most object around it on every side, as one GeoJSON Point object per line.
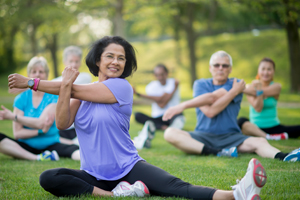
{"type": "Point", "coordinates": [99, 192]}
{"type": "Point", "coordinates": [258, 145]}
{"type": "Point", "coordinates": [75, 155]}
{"type": "Point", "coordinates": [183, 141]}
{"type": "Point", "coordinates": [11, 148]}
{"type": "Point", "coordinates": [251, 129]}
{"type": "Point", "coordinates": [65, 140]}
{"type": "Point", "coordinates": [222, 194]}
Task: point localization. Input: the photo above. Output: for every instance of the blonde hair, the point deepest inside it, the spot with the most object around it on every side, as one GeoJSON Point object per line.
{"type": "Point", "coordinates": [38, 60]}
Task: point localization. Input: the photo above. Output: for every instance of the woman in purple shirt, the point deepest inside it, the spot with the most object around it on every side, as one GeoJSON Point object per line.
{"type": "Point", "coordinates": [101, 112]}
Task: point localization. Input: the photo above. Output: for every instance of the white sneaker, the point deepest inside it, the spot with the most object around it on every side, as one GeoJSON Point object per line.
{"type": "Point", "coordinates": [277, 136]}
{"type": "Point", "coordinates": [178, 122]}
{"type": "Point", "coordinates": [145, 136]}
{"type": "Point", "coordinates": [124, 189]}
{"type": "Point", "coordinates": [250, 185]}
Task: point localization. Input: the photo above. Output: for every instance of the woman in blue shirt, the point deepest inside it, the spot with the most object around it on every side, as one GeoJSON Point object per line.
{"type": "Point", "coordinates": [34, 129]}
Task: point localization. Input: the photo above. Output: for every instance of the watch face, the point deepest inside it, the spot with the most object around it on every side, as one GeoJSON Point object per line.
{"type": "Point", "coordinates": [30, 83]}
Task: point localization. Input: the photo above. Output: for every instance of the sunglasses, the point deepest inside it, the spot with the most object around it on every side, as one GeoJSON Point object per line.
{"type": "Point", "coordinates": [223, 65]}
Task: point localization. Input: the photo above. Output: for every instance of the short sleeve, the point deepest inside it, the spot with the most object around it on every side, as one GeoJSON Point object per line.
{"type": "Point", "coordinates": [121, 89]}
{"type": "Point", "coordinates": [20, 101]}
{"type": "Point", "coordinates": [200, 87]}
{"type": "Point", "coordinates": [151, 89]}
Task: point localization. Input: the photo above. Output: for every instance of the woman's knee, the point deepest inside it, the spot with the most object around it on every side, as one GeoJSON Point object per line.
{"type": "Point", "coordinates": [47, 177]}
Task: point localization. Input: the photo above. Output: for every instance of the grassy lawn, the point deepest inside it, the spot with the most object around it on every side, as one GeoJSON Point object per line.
{"type": "Point", "coordinates": [19, 179]}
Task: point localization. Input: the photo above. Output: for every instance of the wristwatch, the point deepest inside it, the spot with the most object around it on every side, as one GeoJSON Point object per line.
{"type": "Point", "coordinates": [31, 83]}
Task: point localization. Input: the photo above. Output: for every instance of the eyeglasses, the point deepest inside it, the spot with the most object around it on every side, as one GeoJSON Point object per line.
{"type": "Point", "coordinates": [111, 58]}
{"type": "Point", "coordinates": [217, 65]}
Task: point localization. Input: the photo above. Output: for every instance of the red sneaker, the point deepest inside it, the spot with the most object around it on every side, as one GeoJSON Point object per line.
{"type": "Point", "coordinates": [278, 136]}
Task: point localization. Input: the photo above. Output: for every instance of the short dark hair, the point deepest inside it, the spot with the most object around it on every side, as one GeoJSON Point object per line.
{"type": "Point", "coordinates": [160, 65]}
{"type": "Point", "coordinates": [98, 47]}
{"type": "Point", "coordinates": [268, 60]}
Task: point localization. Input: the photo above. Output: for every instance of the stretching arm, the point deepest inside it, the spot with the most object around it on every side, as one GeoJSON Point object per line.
{"type": "Point", "coordinates": [94, 92]}
{"type": "Point", "coordinates": [220, 104]}
{"type": "Point", "coordinates": [66, 107]}
{"type": "Point", "coordinates": [162, 100]}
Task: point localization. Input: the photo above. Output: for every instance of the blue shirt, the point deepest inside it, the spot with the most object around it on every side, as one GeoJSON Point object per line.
{"type": "Point", "coordinates": [24, 103]}
{"type": "Point", "coordinates": [226, 120]}
{"type": "Point", "coordinates": [106, 149]}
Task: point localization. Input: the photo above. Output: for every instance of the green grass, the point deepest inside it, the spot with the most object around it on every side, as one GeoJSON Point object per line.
{"type": "Point", "coordinates": [19, 179]}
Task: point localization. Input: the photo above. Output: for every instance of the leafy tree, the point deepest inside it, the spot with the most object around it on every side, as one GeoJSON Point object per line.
{"type": "Point", "coordinates": [286, 14]}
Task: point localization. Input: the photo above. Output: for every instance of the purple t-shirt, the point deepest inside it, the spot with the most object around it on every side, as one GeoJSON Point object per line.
{"type": "Point", "coordinates": [106, 149]}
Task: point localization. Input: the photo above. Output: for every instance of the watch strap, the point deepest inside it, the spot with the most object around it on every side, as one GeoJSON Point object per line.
{"type": "Point", "coordinates": [36, 83]}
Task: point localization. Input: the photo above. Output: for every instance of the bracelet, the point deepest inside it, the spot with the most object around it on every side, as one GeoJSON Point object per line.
{"type": "Point", "coordinates": [36, 83]}
{"type": "Point", "coordinates": [259, 92]}
{"type": "Point", "coordinates": [138, 94]}
{"type": "Point", "coordinates": [16, 118]}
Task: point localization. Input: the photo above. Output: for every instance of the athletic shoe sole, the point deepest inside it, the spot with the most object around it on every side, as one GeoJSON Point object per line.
{"type": "Point", "coordinates": [259, 173]}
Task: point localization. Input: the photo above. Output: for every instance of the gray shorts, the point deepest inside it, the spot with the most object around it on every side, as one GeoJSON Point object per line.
{"type": "Point", "coordinates": [223, 141]}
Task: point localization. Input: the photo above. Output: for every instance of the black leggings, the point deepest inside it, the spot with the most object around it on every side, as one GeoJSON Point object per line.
{"type": "Point", "coordinates": [70, 182]}
{"type": "Point", "coordinates": [293, 131]}
{"type": "Point", "coordinates": [63, 150]}
{"type": "Point", "coordinates": [142, 118]}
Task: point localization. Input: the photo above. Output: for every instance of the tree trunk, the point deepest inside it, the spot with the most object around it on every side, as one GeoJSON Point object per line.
{"type": "Point", "coordinates": [191, 38]}
{"type": "Point", "coordinates": [118, 19]}
{"type": "Point", "coordinates": [294, 54]}
{"type": "Point", "coordinates": [53, 49]}
{"type": "Point", "coordinates": [33, 41]}
{"type": "Point", "coordinates": [7, 60]}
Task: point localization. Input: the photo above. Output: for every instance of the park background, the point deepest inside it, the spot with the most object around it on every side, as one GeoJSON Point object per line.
{"type": "Point", "coordinates": [179, 33]}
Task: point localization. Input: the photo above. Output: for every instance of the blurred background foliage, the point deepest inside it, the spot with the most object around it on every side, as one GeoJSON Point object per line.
{"type": "Point", "coordinates": [179, 33]}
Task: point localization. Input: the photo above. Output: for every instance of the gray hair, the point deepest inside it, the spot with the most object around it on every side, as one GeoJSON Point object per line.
{"type": "Point", "coordinates": [72, 50]}
{"type": "Point", "coordinates": [220, 54]}
{"type": "Point", "coordinates": [35, 61]}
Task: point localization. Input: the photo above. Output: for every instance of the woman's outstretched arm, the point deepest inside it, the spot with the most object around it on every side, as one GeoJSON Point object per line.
{"type": "Point", "coordinates": [94, 92]}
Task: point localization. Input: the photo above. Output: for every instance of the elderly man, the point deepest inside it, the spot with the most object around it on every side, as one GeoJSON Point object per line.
{"type": "Point", "coordinates": [217, 101]}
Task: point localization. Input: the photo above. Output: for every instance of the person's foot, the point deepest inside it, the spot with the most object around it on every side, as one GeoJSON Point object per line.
{"type": "Point", "coordinates": [293, 156]}
{"type": "Point", "coordinates": [250, 185]}
{"type": "Point", "coordinates": [145, 136]}
{"type": "Point", "coordinates": [138, 189]}
{"type": "Point", "coordinates": [48, 156]}
{"type": "Point", "coordinates": [231, 152]}
{"type": "Point", "coordinates": [277, 136]}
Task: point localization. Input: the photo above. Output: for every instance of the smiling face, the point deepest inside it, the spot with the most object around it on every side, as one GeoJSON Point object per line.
{"type": "Point", "coordinates": [266, 71]}
{"type": "Point", "coordinates": [220, 69]}
{"type": "Point", "coordinates": [38, 71]}
{"type": "Point", "coordinates": [112, 62]}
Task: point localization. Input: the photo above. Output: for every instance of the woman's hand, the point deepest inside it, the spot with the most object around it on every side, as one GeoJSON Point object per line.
{"type": "Point", "coordinates": [69, 75]}
{"type": "Point", "coordinates": [17, 81]}
{"type": "Point", "coordinates": [6, 114]}
{"type": "Point", "coordinates": [257, 84]}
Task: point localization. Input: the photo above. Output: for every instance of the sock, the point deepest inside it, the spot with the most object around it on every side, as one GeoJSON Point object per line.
{"type": "Point", "coordinates": [38, 157]}
{"type": "Point", "coordinates": [280, 155]}
{"type": "Point", "coordinates": [208, 150]}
